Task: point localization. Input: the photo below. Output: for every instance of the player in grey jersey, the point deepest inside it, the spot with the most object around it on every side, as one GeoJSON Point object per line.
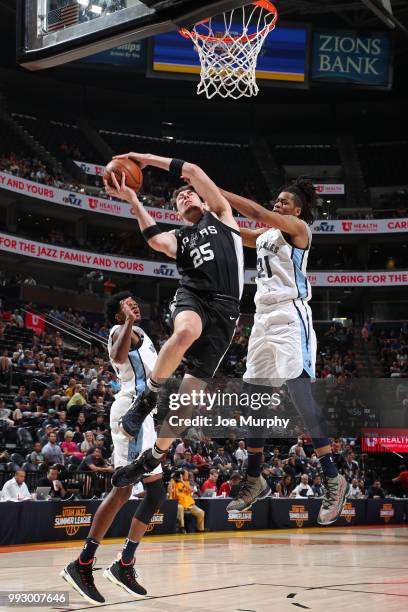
{"type": "Point", "coordinates": [282, 345]}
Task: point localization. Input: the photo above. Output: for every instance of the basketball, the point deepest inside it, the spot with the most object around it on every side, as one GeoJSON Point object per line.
{"type": "Point", "coordinates": [132, 170]}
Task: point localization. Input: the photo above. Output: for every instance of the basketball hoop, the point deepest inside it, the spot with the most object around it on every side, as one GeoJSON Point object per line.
{"type": "Point", "coordinates": [228, 47]}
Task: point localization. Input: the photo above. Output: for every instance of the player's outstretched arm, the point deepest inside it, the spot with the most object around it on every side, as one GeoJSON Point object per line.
{"type": "Point", "coordinates": [164, 242]}
{"type": "Point", "coordinates": [249, 236]}
{"type": "Point", "coordinates": [248, 208]}
{"type": "Point", "coordinates": [204, 186]}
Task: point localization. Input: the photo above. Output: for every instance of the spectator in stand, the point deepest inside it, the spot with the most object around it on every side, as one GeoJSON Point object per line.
{"type": "Point", "coordinates": [241, 455]}
{"type": "Point", "coordinates": [77, 401]}
{"type": "Point", "coordinates": [181, 449]}
{"type": "Point", "coordinates": [187, 462]}
{"type": "Point", "coordinates": [298, 449]}
{"type": "Point", "coordinates": [276, 468]}
{"type": "Point", "coordinates": [69, 447]}
{"type": "Point", "coordinates": [69, 391]}
{"type": "Point", "coordinates": [99, 427]}
{"type": "Point", "coordinates": [199, 461]}
{"type": "Point", "coordinates": [180, 489]}
{"type": "Point", "coordinates": [5, 362]}
{"type": "Point", "coordinates": [52, 451]}
{"type": "Point", "coordinates": [401, 481]}
{"type": "Point", "coordinates": [51, 480]}
{"type": "Point", "coordinates": [375, 491]}
{"type": "Point", "coordinates": [355, 491]}
{"type": "Point", "coordinates": [37, 456]}
{"type": "Point", "coordinates": [222, 462]}
{"type": "Point", "coordinates": [231, 487]}
{"type": "Point", "coordinates": [16, 489]}
{"type": "Point", "coordinates": [5, 414]}
{"type": "Point", "coordinates": [99, 443]}
{"type": "Point", "coordinates": [209, 486]}
{"type": "Point", "coordinates": [303, 489]}
{"type": "Point", "coordinates": [285, 486]}
{"type": "Point", "coordinates": [81, 422]}
{"type": "Point", "coordinates": [88, 442]}
{"type": "Point", "coordinates": [317, 487]}
{"type": "Point", "coordinates": [350, 466]}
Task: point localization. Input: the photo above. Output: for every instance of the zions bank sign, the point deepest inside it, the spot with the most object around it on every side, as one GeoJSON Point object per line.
{"type": "Point", "coordinates": [352, 57]}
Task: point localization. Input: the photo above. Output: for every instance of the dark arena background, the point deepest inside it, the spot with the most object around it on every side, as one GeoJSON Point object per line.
{"type": "Point", "coordinates": [82, 81]}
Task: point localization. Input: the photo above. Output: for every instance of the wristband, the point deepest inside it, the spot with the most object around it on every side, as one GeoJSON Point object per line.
{"type": "Point", "coordinates": [150, 232]}
{"type": "Point", "coordinates": [176, 167]}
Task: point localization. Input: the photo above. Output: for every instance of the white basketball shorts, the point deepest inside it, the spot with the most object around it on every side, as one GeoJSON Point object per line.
{"type": "Point", "coordinates": [125, 450]}
{"type": "Point", "coordinates": [282, 344]}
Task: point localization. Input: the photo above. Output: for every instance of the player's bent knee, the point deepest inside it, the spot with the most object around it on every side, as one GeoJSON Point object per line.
{"type": "Point", "coordinates": [185, 336]}
{"type": "Point", "coordinates": [155, 496]}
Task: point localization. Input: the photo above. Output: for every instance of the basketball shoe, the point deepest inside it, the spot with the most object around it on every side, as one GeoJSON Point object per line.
{"type": "Point", "coordinates": [80, 577]}
{"type": "Point", "coordinates": [131, 422]}
{"type": "Point", "coordinates": [134, 472]}
{"type": "Point", "coordinates": [337, 489]}
{"type": "Point", "coordinates": [125, 577]}
{"type": "Point", "coordinates": [252, 489]}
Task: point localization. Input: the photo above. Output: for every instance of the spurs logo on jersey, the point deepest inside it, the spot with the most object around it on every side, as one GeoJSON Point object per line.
{"type": "Point", "coordinates": [210, 257]}
{"type": "Point", "coordinates": [281, 269]}
{"type": "Point", "coordinates": [138, 366]}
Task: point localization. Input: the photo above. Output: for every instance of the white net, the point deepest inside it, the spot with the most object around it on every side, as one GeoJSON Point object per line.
{"type": "Point", "coordinates": [228, 47]}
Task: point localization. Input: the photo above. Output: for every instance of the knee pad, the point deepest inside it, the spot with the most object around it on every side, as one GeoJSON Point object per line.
{"type": "Point", "coordinates": [155, 496]}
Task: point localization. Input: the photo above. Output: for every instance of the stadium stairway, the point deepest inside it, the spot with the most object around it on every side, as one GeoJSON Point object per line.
{"type": "Point", "coordinates": [366, 357]}
{"type": "Point", "coordinates": [267, 164]}
{"type": "Point", "coordinates": [37, 150]}
{"type": "Point", "coordinates": [98, 143]}
{"type": "Point", "coordinates": [357, 193]}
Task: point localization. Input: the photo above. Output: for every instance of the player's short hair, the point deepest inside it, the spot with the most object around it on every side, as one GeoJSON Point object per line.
{"type": "Point", "coordinates": [306, 197]}
{"type": "Point", "coordinates": [112, 306]}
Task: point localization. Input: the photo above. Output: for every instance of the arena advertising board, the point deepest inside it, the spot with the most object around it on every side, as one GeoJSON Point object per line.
{"type": "Point", "coordinates": [357, 58]}
{"type": "Point", "coordinates": [117, 208]}
{"type": "Point", "coordinates": [283, 56]}
{"type": "Point", "coordinates": [116, 263]}
{"type": "Point", "coordinates": [384, 440]}
{"type": "Point", "coordinates": [131, 55]}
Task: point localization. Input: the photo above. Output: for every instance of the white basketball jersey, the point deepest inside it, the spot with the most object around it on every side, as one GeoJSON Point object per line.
{"type": "Point", "coordinates": [137, 368]}
{"type": "Point", "coordinates": [281, 269]}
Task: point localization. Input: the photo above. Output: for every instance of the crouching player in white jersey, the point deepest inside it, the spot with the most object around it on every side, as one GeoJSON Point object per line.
{"type": "Point", "coordinates": [132, 356]}
{"type": "Point", "coordinates": [282, 345]}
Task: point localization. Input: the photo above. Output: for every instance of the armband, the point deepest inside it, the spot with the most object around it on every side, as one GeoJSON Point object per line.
{"type": "Point", "coordinates": [176, 167]}
{"type": "Point", "coordinates": [150, 232]}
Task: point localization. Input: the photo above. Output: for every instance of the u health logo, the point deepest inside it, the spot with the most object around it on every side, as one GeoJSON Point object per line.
{"type": "Point", "coordinates": [72, 518]}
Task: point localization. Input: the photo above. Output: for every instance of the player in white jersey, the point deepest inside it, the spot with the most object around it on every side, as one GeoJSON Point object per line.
{"type": "Point", "coordinates": [132, 355]}
{"type": "Point", "coordinates": [282, 345]}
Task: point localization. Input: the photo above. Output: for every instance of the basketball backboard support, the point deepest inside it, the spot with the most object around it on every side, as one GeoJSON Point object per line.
{"type": "Point", "coordinates": [55, 32]}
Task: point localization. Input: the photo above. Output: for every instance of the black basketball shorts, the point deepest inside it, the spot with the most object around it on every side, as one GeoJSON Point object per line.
{"type": "Point", "coordinates": [219, 315]}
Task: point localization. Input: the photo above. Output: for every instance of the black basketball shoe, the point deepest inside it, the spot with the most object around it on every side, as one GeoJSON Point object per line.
{"type": "Point", "coordinates": [131, 422]}
{"type": "Point", "coordinates": [134, 472]}
{"type": "Point", "coordinates": [125, 577]}
{"type": "Point", "coordinates": [80, 577]}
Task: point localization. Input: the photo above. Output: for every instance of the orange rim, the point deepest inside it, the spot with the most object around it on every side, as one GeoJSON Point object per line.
{"type": "Point", "coordinates": [264, 4]}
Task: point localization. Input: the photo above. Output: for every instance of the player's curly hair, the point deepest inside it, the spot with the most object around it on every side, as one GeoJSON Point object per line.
{"type": "Point", "coordinates": [112, 306]}
{"type": "Point", "coordinates": [305, 195]}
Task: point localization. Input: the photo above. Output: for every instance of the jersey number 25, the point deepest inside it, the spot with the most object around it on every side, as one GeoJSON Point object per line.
{"type": "Point", "coordinates": [201, 254]}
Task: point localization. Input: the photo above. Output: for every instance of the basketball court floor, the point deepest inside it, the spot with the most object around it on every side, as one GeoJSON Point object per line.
{"type": "Point", "coordinates": [334, 569]}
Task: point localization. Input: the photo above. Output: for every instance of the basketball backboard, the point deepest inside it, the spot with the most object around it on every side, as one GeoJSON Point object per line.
{"type": "Point", "coordinates": [54, 32]}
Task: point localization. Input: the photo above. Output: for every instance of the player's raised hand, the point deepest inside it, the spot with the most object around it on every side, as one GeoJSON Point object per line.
{"type": "Point", "coordinates": [121, 191]}
{"type": "Point", "coordinates": [141, 158]}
